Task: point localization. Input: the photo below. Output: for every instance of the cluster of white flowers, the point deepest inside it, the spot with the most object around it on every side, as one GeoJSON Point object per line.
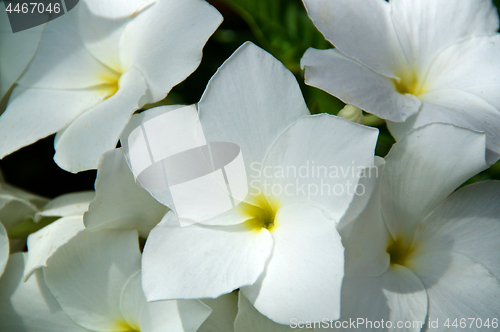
{"type": "Point", "coordinates": [329, 237]}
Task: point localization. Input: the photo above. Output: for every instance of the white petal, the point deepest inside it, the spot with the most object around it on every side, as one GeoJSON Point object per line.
{"type": "Point", "coordinates": [174, 316]}
{"type": "Point", "coordinates": [470, 66]}
{"type": "Point", "coordinates": [73, 204]}
{"type": "Point", "coordinates": [468, 223]}
{"type": "Point", "coordinates": [100, 34]}
{"type": "Point", "coordinates": [62, 61]}
{"type": "Point", "coordinates": [250, 320]}
{"type": "Point", "coordinates": [357, 85]}
{"type": "Point", "coordinates": [17, 50]}
{"type": "Point", "coordinates": [224, 311]}
{"type": "Point", "coordinates": [79, 146]}
{"type": "Point", "coordinates": [44, 243]}
{"type": "Point", "coordinates": [320, 159]}
{"type": "Point", "coordinates": [120, 203]}
{"type": "Point", "coordinates": [421, 171]}
{"type": "Point", "coordinates": [171, 34]}
{"type": "Point", "coordinates": [363, 231]}
{"type": "Point", "coordinates": [257, 96]}
{"type": "Point", "coordinates": [457, 287]}
{"type": "Point", "coordinates": [4, 248]}
{"type": "Point", "coordinates": [88, 274]}
{"type": "Point", "coordinates": [303, 278]}
{"type": "Point", "coordinates": [460, 108]}
{"type": "Point", "coordinates": [426, 27]}
{"type": "Point", "coordinates": [201, 261]}
{"type": "Point", "coordinates": [133, 303]}
{"type": "Point", "coordinates": [146, 141]}
{"type": "Point", "coordinates": [396, 296]}
{"type": "Point", "coordinates": [370, 181]}
{"type": "Point", "coordinates": [30, 306]}
{"type": "Point", "coordinates": [113, 9]}
{"type": "Point", "coordinates": [33, 114]}
{"type": "Point", "coordinates": [367, 22]}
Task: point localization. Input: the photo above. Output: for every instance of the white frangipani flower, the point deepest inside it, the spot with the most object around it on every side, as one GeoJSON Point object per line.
{"type": "Point", "coordinates": [96, 279]}
{"type": "Point", "coordinates": [119, 202]}
{"type": "Point", "coordinates": [92, 72]}
{"type": "Point", "coordinates": [275, 245]}
{"type": "Point", "coordinates": [412, 62]}
{"type": "Point", "coordinates": [413, 254]}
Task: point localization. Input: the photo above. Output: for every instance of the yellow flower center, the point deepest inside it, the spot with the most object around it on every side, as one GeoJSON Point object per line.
{"type": "Point", "coordinates": [110, 83]}
{"type": "Point", "coordinates": [410, 83]}
{"type": "Point", "coordinates": [123, 326]}
{"type": "Point", "coordinates": [400, 251]}
{"type": "Point", "coordinates": [261, 212]}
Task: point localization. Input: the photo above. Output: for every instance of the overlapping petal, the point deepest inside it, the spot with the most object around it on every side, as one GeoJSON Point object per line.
{"type": "Point", "coordinates": [458, 227]}
{"type": "Point", "coordinates": [175, 316]}
{"type": "Point", "coordinates": [316, 159]}
{"type": "Point", "coordinates": [460, 108]}
{"type": "Point", "coordinates": [421, 171]}
{"type": "Point", "coordinates": [356, 84]}
{"type": "Point", "coordinates": [201, 261]}
{"type": "Point", "coordinates": [363, 230]}
{"type": "Point", "coordinates": [87, 276]}
{"type": "Point", "coordinates": [42, 245]}
{"type": "Point", "coordinates": [96, 131]}
{"type": "Point", "coordinates": [457, 287]}
{"type": "Point", "coordinates": [31, 104]}
{"type": "Point", "coordinates": [112, 9]}
{"type": "Point", "coordinates": [173, 32]}
{"type": "Point", "coordinates": [62, 61]}
{"type": "Point", "coordinates": [120, 203]}
{"type": "Point", "coordinates": [30, 306]}
{"type": "Point", "coordinates": [101, 34]}
{"type": "Point", "coordinates": [303, 276]}
{"type": "Point", "coordinates": [367, 22]}
{"type": "Point", "coordinates": [257, 96]}
{"type": "Point", "coordinates": [469, 66]}
{"type": "Point", "coordinates": [397, 296]}
{"type": "Point", "coordinates": [72, 204]}
{"type": "Point", "coordinates": [17, 50]}
{"type": "Point", "coordinates": [426, 27]}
